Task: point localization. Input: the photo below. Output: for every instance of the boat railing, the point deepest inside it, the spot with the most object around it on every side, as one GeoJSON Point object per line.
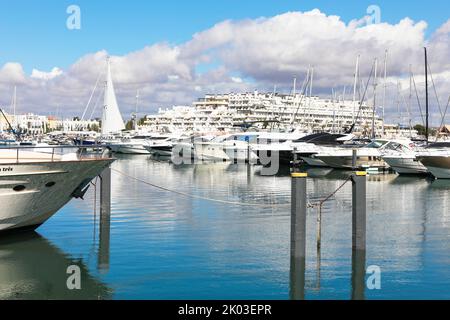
{"type": "Point", "coordinates": [53, 153]}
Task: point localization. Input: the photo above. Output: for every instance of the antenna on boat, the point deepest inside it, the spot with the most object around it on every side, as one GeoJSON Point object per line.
{"type": "Point", "coordinates": [375, 84]}
{"type": "Point", "coordinates": [426, 97]}
{"type": "Point", "coordinates": [384, 89]}
{"type": "Point", "coordinates": [355, 86]}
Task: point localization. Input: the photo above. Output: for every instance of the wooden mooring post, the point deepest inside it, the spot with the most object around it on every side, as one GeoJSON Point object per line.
{"type": "Point", "coordinates": [359, 210]}
{"type": "Point", "coordinates": [359, 235]}
{"type": "Point", "coordinates": [298, 235]}
{"type": "Point", "coordinates": [105, 220]}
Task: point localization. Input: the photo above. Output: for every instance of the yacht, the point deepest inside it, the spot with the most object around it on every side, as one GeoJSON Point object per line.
{"type": "Point", "coordinates": [183, 148]}
{"type": "Point", "coordinates": [403, 159]}
{"type": "Point", "coordinates": [436, 158]}
{"type": "Point", "coordinates": [239, 146]}
{"type": "Point", "coordinates": [130, 145]}
{"type": "Point", "coordinates": [161, 145]}
{"type": "Point", "coordinates": [277, 143]}
{"type": "Point", "coordinates": [307, 148]}
{"type": "Point", "coordinates": [368, 156]}
{"type": "Point", "coordinates": [35, 185]}
{"type": "Point", "coordinates": [212, 150]}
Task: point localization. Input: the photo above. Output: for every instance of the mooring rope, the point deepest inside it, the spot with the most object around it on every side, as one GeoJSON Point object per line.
{"type": "Point", "coordinates": [263, 205]}
{"type": "Point", "coordinates": [320, 203]}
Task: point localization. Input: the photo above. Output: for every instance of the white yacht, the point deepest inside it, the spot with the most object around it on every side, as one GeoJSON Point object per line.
{"type": "Point", "coordinates": [403, 159]}
{"type": "Point", "coordinates": [35, 185]}
{"type": "Point", "coordinates": [130, 145]}
{"type": "Point", "coordinates": [161, 145]}
{"type": "Point", "coordinates": [183, 148]}
{"type": "Point", "coordinates": [368, 156]}
{"type": "Point", "coordinates": [212, 150]}
{"type": "Point", "coordinates": [238, 147]}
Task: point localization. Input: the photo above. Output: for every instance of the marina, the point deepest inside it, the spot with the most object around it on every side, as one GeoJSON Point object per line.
{"type": "Point", "coordinates": [287, 155]}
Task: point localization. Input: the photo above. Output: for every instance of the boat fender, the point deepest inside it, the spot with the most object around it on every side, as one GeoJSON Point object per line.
{"type": "Point", "coordinates": [81, 190]}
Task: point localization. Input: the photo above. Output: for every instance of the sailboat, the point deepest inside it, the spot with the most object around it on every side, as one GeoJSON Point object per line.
{"type": "Point", "coordinates": [112, 121]}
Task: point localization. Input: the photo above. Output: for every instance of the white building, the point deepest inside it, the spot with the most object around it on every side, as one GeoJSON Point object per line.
{"type": "Point", "coordinates": [226, 111]}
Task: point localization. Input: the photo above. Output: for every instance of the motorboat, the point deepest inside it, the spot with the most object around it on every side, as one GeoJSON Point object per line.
{"type": "Point", "coordinates": [403, 159]}
{"type": "Point", "coordinates": [277, 144]}
{"type": "Point", "coordinates": [308, 147]}
{"type": "Point", "coordinates": [238, 147]}
{"type": "Point", "coordinates": [130, 144]}
{"type": "Point", "coordinates": [161, 145]}
{"type": "Point", "coordinates": [367, 156]}
{"type": "Point", "coordinates": [211, 150]}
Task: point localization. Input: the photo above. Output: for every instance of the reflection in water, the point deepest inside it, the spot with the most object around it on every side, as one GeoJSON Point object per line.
{"type": "Point", "coordinates": [104, 237]}
{"type": "Point", "coordinates": [32, 268]}
{"type": "Point", "coordinates": [297, 278]}
{"type": "Point", "coordinates": [358, 274]}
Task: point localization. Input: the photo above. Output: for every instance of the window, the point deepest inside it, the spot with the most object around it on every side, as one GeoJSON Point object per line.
{"type": "Point", "coordinates": [19, 188]}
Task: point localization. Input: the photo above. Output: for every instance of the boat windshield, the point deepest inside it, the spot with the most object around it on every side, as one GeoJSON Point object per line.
{"type": "Point", "coordinates": [395, 146]}
{"type": "Point", "coordinates": [376, 144]}
{"type": "Point", "coordinates": [245, 138]}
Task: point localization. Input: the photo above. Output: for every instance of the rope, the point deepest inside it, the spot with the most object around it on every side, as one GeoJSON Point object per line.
{"type": "Point", "coordinates": [200, 197]}
{"type": "Point", "coordinates": [320, 203]}
{"type": "Point", "coordinates": [418, 99]}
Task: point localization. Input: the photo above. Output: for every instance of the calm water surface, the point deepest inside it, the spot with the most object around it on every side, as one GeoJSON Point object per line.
{"type": "Point", "coordinates": [162, 245]}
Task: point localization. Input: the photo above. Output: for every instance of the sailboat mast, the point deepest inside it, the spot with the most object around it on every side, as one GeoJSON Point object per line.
{"type": "Point", "coordinates": [410, 100]}
{"type": "Point", "coordinates": [136, 111]}
{"type": "Point", "coordinates": [426, 97]}
{"type": "Point", "coordinates": [14, 104]}
{"type": "Point", "coordinates": [374, 99]}
{"type": "Point", "coordinates": [355, 86]}
{"type": "Point", "coordinates": [384, 88]}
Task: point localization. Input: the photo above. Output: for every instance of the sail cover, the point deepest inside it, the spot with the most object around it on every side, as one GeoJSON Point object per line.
{"type": "Point", "coordinates": [112, 121]}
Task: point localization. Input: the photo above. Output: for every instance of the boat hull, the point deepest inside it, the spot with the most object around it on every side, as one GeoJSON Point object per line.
{"type": "Point", "coordinates": [31, 193]}
{"type": "Point", "coordinates": [439, 166]}
{"type": "Point", "coordinates": [406, 166]}
{"type": "Point", "coordinates": [162, 151]}
{"type": "Point", "coordinates": [210, 152]}
{"type": "Point", "coordinates": [312, 161]}
{"type": "Point", "coordinates": [128, 149]}
{"type": "Point", "coordinates": [346, 162]}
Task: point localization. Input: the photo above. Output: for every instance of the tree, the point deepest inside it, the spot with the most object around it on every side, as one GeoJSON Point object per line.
{"type": "Point", "coordinates": [94, 127]}
{"type": "Point", "coordinates": [141, 121]}
{"type": "Point", "coordinates": [420, 129]}
{"type": "Point", "coordinates": [129, 125]}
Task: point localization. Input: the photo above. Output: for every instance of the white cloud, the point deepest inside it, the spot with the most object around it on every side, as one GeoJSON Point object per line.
{"type": "Point", "coordinates": [42, 75]}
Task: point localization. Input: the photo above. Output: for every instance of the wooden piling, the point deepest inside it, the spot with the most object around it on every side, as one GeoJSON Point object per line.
{"type": "Point", "coordinates": [298, 215]}
{"type": "Point", "coordinates": [359, 211]}
{"type": "Point", "coordinates": [298, 236]}
{"type": "Point", "coordinates": [105, 220]}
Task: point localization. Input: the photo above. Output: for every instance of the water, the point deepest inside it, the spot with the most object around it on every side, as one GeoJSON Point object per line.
{"type": "Point", "coordinates": [166, 246]}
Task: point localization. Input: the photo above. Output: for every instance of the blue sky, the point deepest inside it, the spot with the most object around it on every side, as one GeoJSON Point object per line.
{"type": "Point", "coordinates": [34, 33]}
